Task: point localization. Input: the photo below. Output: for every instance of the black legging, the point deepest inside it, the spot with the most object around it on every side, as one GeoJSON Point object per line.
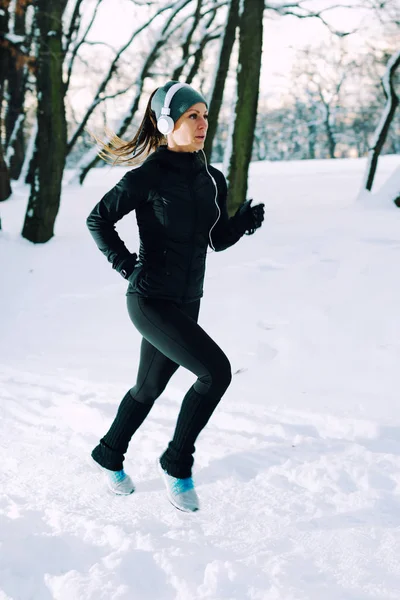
{"type": "Point", "coordinates": [171, 338]}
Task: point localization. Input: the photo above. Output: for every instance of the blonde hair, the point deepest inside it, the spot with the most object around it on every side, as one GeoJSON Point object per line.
{"type": "Point", "coordinates": [116, 151]}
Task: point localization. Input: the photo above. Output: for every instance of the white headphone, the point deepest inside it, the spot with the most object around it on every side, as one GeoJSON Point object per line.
{"type": "Point", "coordinates": [165, 123]}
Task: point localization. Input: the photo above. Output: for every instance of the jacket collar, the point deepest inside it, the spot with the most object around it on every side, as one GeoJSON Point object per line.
{"type": "Point", "coordinates": [190, 162]}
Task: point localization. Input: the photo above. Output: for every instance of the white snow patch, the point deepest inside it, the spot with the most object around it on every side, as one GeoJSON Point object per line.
{"type": "Point", "coordinates": [298, 471]}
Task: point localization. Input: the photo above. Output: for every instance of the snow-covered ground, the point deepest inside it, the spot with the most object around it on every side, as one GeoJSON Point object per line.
{"type": "Point", "coordinates": [298, 471]}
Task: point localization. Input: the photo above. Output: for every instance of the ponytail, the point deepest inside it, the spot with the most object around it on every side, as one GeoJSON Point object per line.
{"type": "Point", "coordinates": [147, 139]}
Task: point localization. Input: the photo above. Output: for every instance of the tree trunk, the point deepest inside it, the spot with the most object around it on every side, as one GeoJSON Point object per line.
{"type": "Point", "coordinates": [329, 132]}
{"type": "Point", "coordinates": [4, 51]}
{"type": "Point", "coordinates": [45, 194]}
{"type": "Point", "coordinates": [312, 135]}
{"type": "Point", "coordinates": [386, 119]}
{"type": "Point", "coordinates": [15, 117]}
{"type": "Point", "coordinates": [248, 79]}
{"type": "Point", "coordinates": [221, 72]}
{"type": "Point", "coordinates": [5, 185]}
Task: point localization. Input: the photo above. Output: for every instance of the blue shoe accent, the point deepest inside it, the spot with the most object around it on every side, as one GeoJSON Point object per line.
{"type": "Point", "coordinates": [182, 485]}
{"type": "Point", "coordinates": [117, 481]}
{"type": "Point", "coordinates": [180, 492]}
{"type": "Point", "coordinates": [117, 476]}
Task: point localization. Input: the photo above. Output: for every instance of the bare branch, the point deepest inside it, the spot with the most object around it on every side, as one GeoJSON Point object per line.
{"type": "Point", "coordinates": [79, 44]}
{"type": "Point", "coordinates": [215, 6]}
{"type": "Point", "coordinates": [119, 93]}
{"type": "Point", "coordinates": [144, 3]}
{"type": "Point", "coordinates": [385, 11]}
{"type": "Point", "coordinates": [100, 91]}
{"type": "Point", "coordinates": [207, 36]}
{"type": "Point", "coordinates": [297, 9]}
{"type": "Point", "coordinates": [186, 44]}
{"type": "Point", "coordinates": [73, 25]}
{"type": "Point", "coordinates": [93, 43]}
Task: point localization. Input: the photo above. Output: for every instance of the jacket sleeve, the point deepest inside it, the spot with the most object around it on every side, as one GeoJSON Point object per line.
{"type": "Point", "coordinates": [227, 231]}
{"type": "Point", "coordinates": [118, 202]}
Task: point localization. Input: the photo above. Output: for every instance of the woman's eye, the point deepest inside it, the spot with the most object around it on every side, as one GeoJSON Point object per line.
{"type": "Point", "coordinates": [195, 116]}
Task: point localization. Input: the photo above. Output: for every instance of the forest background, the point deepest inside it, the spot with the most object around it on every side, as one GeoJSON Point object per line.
{"type": "Point", "coordinates": [307, 79]}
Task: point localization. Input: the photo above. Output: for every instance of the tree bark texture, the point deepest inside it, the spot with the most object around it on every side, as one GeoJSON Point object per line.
{"type": "Point", "coordinates": [44, 200]}
{"type": "Point", "coordinates": [329, 133]}
{"type": "Point", "coordinates": [386, 119]}
{"type": "Point", "coordinates": [5, 185]}
{"type": "Point", "coordinates": [15, 117]}
{"type": "Point", "coordinates": [248, 80]}
{"type": "Point", "coordinates": [215, 100]}
{"type": "Point", "coordinates": [4, 48]}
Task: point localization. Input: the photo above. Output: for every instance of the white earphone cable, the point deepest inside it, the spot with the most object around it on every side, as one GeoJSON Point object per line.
{"type": "Point", "coordinates": [215, 200]}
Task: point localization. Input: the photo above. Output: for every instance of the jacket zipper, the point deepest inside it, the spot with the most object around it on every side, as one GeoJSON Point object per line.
{"type": "Point", "coordinates": [193, 198]}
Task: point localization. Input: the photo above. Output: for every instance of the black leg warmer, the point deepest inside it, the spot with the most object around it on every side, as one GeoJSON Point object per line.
{"type": "Point", "coordinates": [195, 412]}
{"type": "Point", "coordinates": [131, 414]}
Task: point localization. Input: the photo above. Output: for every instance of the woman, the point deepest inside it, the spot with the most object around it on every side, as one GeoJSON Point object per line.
{"type": "Point", "coordinates": [180, 205]}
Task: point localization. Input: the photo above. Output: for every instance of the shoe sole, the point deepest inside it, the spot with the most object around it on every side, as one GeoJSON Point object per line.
{"type": "Point", "coordinates": [170, 498]}
{"type": "Point", "coordinates": [101, 470]}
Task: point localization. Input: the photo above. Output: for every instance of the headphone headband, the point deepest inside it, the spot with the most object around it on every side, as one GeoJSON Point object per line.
{"type": "Point", "coordinates": [169, 95]}
{"type": "Point", "coordinates": [168, 111]}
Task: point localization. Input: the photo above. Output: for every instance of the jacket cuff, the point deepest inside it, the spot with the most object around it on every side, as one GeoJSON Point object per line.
{"type": "Point", "coordinates": [239, 223]}
{"type": "Point", "coordinates": [126, 266]}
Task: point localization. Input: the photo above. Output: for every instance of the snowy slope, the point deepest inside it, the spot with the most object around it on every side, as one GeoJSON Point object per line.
{"type": "Point", "coordinates": [298, 471]}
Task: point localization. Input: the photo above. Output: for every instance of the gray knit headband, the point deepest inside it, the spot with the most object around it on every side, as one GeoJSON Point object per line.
{"type": "Point", "coordinates": [181, 101]}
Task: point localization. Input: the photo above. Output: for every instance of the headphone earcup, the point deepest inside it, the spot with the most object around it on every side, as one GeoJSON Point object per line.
{"type": "Point", "coordinates": [165, 124]}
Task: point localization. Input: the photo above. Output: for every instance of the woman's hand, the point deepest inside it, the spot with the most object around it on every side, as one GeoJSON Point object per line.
{"type": "Point", "coordinates": [127, 265]}
{"type": "Point", "coordinates": [250, 217]}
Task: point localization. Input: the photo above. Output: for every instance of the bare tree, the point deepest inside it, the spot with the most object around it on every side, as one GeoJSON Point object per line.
{"type": "Point", "coordinates": [5, 185]}
{"type": "Point", "coordinates": [248, 77]}
{"type": "Point", "coordinates": [221, 73]}
{"type": "Point", "coordinates": [206, 35]}
{"type": "Point", "coordinates": [50, 149]}
{"type": "Point", "coordinates": [167, 29]}
{"type": "Point", "coordinates": [382, 130]}
{"type": "Point", "coordinates": [100, 95]}
{"type": "Point", "coordinates": [185, 46]}
{"type": "Point", "coordinates": [19, 68]}
{"type": "Point", "coordinates": [319, 79]}
{"type": "Point", "coordinates": [72, 44]}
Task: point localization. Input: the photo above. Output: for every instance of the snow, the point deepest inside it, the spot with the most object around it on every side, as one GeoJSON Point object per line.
{"type": "Point", "coordinates": [29, 152]}
{"type": "Point", "coordinates": [14, 38]}
{"type": "Point", "coordinates": [10, 149]}
{"type": "Point", "coordinates": [298, 471]}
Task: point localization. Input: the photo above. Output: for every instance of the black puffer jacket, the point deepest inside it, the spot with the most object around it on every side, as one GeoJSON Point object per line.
{"type": "Point", "coordinates": [174, 198]}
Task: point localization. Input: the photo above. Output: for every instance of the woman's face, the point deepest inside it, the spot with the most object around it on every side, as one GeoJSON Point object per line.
{"type": "Point", "coordinates": [190, 130]}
